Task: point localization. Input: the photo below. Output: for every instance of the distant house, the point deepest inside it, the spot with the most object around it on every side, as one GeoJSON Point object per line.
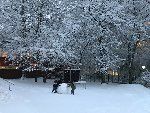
{"type": "Point", "coordinates": [7, 70]}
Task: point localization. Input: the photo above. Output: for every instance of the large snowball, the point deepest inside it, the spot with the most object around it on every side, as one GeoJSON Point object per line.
{"type": "Point", "coordinates": [63, 88]}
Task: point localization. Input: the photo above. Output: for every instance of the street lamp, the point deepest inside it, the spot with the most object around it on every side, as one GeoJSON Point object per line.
{"type": "Point", "coordinates": [143, 67]}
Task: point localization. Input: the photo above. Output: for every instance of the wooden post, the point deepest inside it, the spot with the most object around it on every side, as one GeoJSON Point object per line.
{"type": "Point", "coordinates": [35, 79]}
{"type": "Point", "coordinates": [70, 75]}
{"type": "Point", "coordinates": [44, 79]}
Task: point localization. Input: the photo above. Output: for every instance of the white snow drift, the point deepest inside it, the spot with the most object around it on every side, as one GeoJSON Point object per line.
{"type": "Point", "coordinates": [31, 97]}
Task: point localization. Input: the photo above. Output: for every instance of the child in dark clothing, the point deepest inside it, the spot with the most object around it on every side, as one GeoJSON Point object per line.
{"type": "Point", "coordinates": [73, 87]}
{"type": "Point", "coordinates": [56, 85]}
{"type": "Point", "coordinates": [55, 88]}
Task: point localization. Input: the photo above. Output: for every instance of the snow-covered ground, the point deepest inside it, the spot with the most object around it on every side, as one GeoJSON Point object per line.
{"type": "Point", "coordinates": [30, 97]}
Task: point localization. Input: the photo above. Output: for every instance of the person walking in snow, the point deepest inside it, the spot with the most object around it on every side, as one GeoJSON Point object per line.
{"type": "Point", "coordinates": [73, 87]}
{"type": "Point", "coordinates": [55, 86]}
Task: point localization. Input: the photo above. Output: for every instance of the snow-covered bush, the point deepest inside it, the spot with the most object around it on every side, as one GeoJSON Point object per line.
{"type": "Point", "coordinates": [38, 67]}
{"type": "Point", "coordinates": [144, 79]}
{"type": "Point", "coordinates": [146, 76]}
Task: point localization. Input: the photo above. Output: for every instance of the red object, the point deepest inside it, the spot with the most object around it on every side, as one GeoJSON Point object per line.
{"type": "Point", "coordinates": [2, 61]}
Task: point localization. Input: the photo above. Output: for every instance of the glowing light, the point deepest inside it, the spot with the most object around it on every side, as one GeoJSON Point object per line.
{"type": "Point", "coordinates": [143, 67]}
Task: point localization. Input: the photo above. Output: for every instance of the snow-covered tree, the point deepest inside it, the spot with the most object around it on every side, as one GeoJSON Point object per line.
{"type": "Point", "coordinates": [90, 34]}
